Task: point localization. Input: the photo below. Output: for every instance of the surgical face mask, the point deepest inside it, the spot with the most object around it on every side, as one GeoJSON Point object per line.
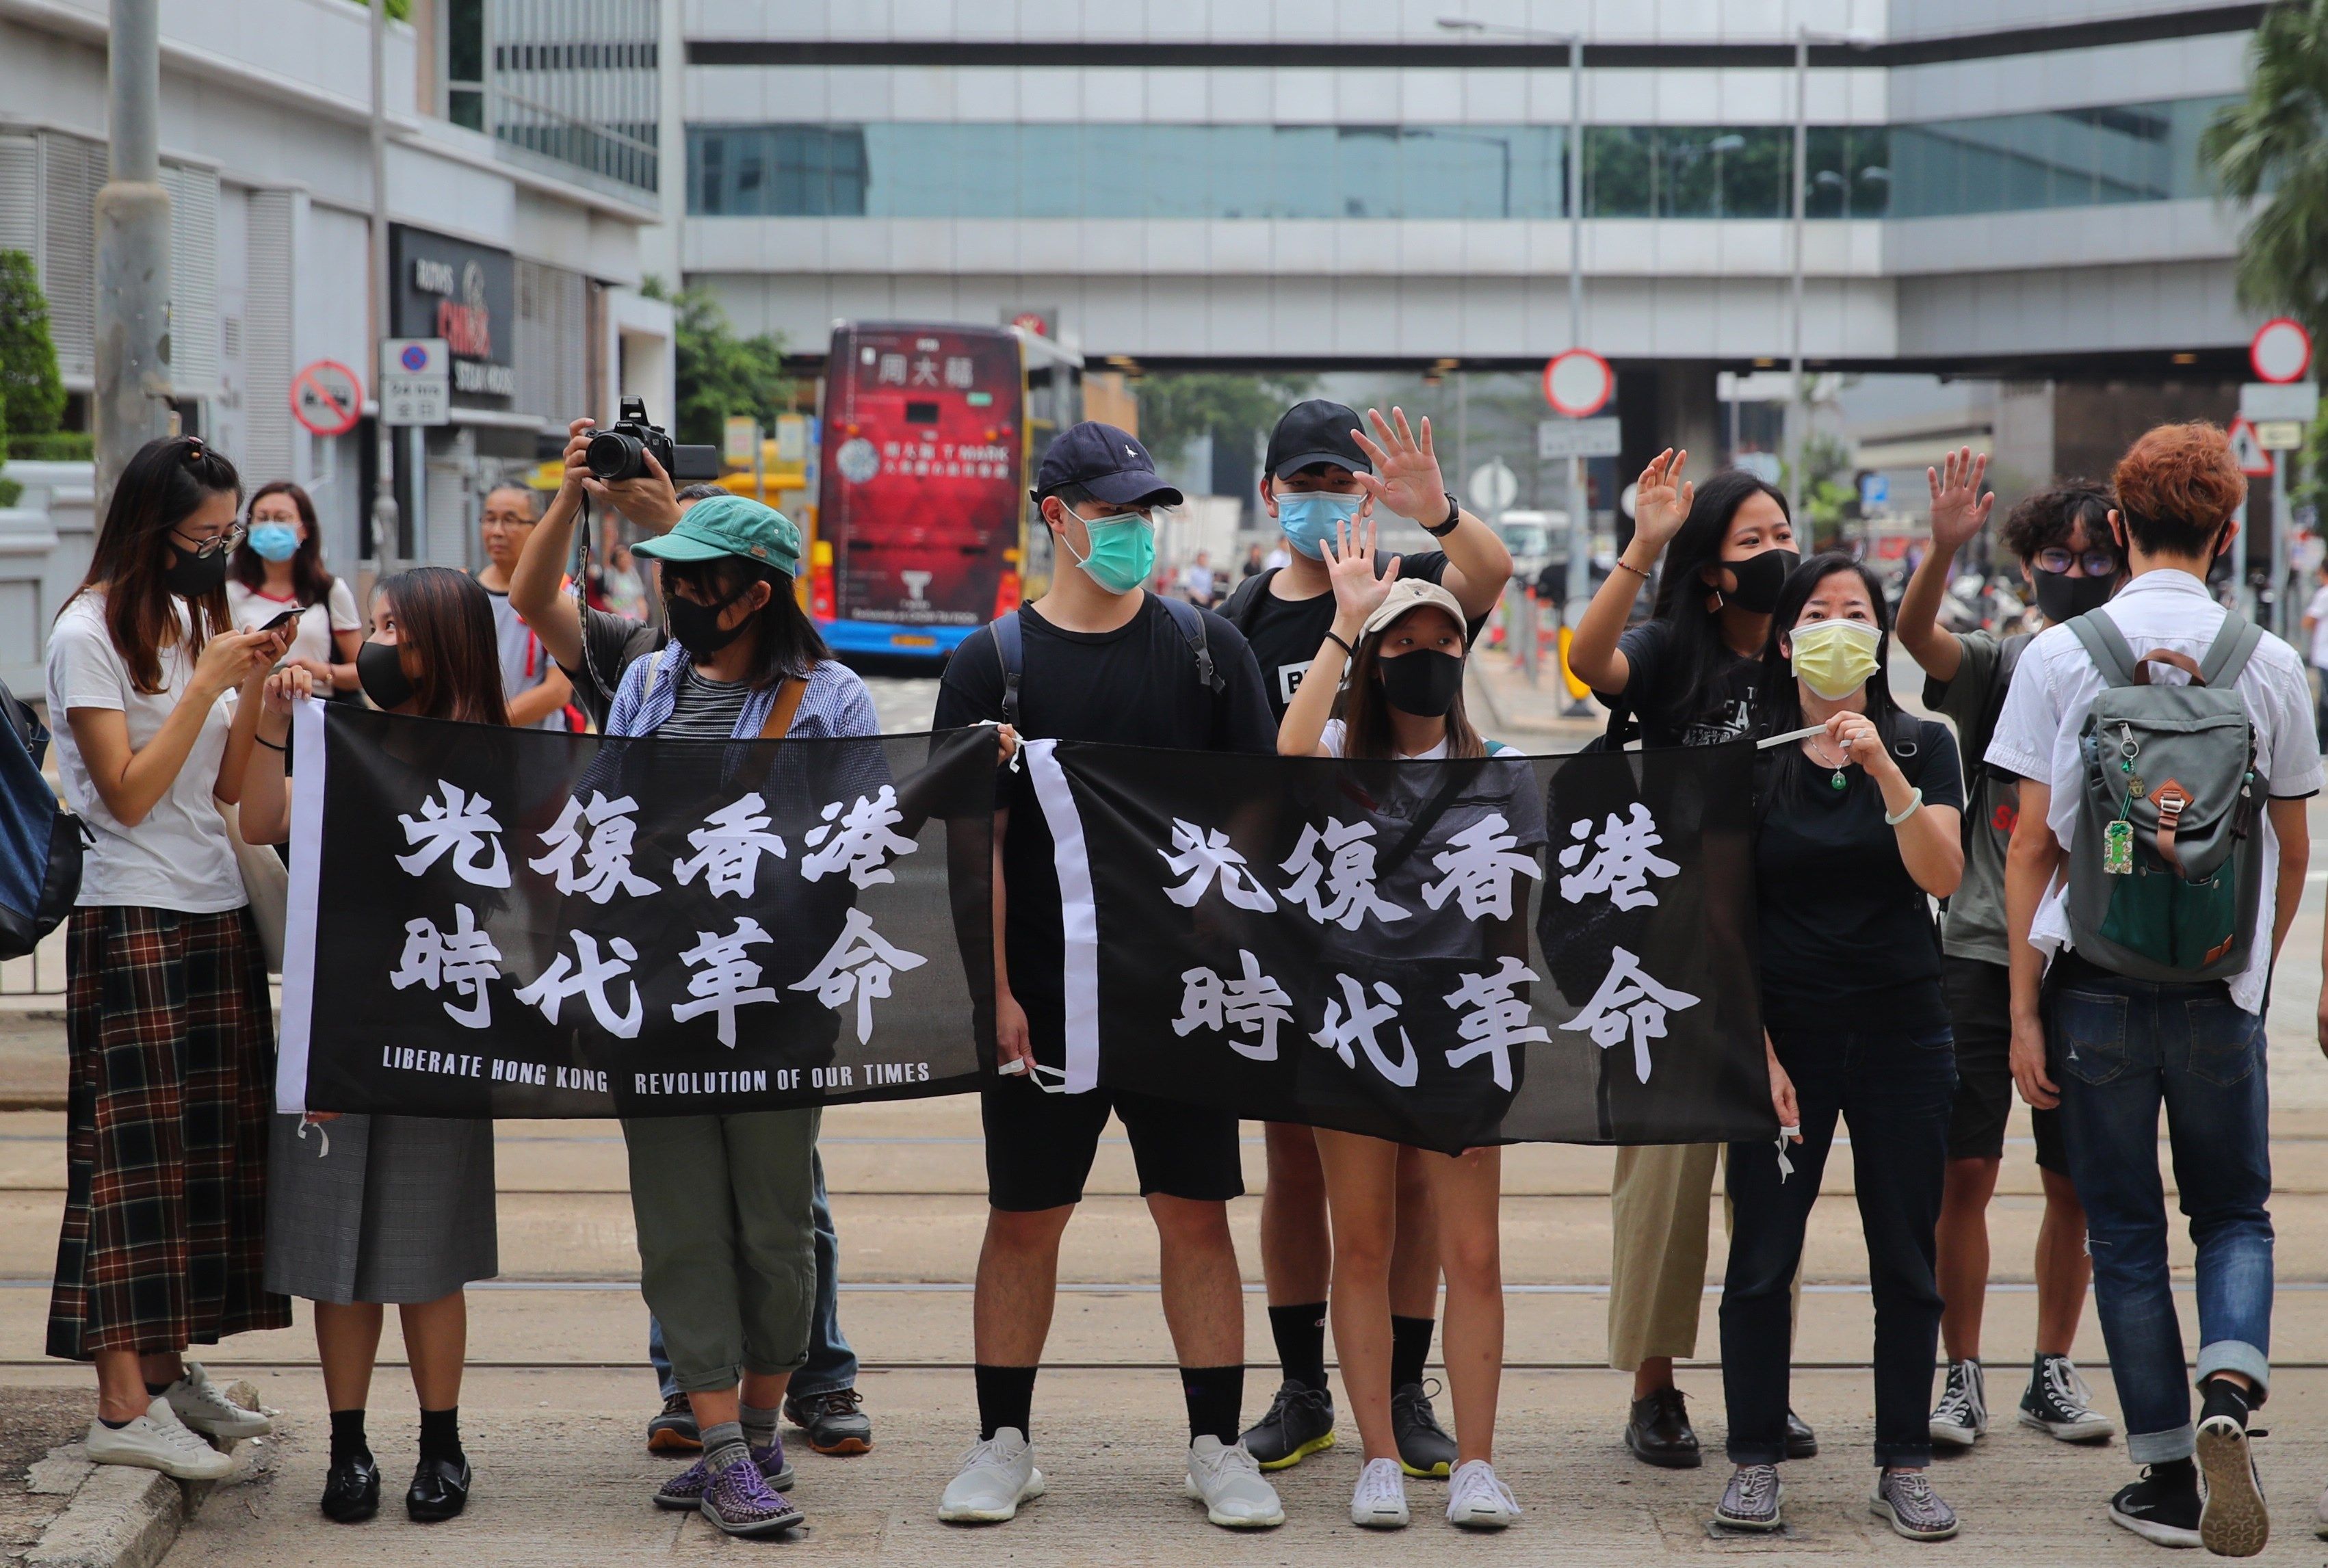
{"type": "Point", "coordinates": [1122, 550]}
{"type": "Point", "coordinates": [1835, 657]}
{"type": "Point", "coordinates": [275, 541]}
{"type": "Point", "coordinates": [194, 577]}
{"type": "Point", "coordinates": [1311, 517]}
{"type": "Point", "coordinates": [380, 671]}
{"type": "Point", "coordinates": [1760, 578]}
{"type": "Point", "coordinates": [1422, 681]}
{"type": "Point", "coordinates": [2062, 597]}
{"type": "Point", "coordinates": [696, 627]}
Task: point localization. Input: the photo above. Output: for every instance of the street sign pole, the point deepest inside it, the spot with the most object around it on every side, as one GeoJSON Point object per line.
{"type": "Point", "coordinates": [2280, 593]}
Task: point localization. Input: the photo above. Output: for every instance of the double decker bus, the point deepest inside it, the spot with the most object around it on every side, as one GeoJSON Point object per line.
{"type": "Point", "coordinates": [930, 431]}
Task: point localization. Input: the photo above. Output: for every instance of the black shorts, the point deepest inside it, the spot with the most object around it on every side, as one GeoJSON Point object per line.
{"type": "Point", "coordinates": [1980, 1010]}
{"type": "Point", "coordinates": [1039, 1145]}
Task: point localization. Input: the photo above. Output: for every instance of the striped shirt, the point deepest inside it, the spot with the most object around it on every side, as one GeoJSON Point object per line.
{"type": "Point", "coordinates": [836, 702]}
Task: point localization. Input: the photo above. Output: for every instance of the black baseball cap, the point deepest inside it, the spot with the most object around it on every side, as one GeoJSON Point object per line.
{"type": "Point", "coordinates": [1316, 431]}
{"type": "Point", "coordinates": [1109, 462]}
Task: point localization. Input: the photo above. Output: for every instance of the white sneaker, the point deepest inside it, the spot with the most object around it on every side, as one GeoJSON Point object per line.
{"type": "Point", "coordinates": [1380, 1501]}
{"type": "Point", "coordinates": [1476, 1501]}
{"type": "Point", "coordinates": [2320, 1518]}
{"type": "Point", "coordinates": [1226, 1479]}
{"type": "Point", "coordinates": [1961, 1418]}
{"type": "Point", "coordinates": [996, 1476]}
{"type": "Point", "coordinates": [204, 1406]}
{"type": "Point", "coordinates": [157, 1441]}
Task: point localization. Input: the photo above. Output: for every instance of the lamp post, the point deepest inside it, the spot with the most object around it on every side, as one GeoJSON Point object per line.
{"type": "Point", "coordinates": [132, 286]}
{"type": "Point", "coordinates": [387, 527]}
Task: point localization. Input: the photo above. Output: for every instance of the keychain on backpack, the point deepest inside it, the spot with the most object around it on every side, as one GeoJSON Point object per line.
{"type": "Point", "coordinates": [2118, 839]}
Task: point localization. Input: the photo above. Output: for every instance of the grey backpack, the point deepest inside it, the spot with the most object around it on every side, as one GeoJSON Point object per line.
{"type": "Point", "coordinates": [2166, 867]}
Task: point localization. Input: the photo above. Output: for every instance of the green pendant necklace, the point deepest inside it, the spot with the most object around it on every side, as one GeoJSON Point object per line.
{"type": "Point", "coordinates": [1834, 780]}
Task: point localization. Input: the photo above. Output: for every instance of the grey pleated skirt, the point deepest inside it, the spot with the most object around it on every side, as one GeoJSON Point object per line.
{"type": "Point", "coordinates": [400, 1209]}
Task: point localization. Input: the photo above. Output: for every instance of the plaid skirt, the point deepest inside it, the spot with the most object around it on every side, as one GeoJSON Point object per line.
{"type": "Point", "coordinates": [172, 1053]}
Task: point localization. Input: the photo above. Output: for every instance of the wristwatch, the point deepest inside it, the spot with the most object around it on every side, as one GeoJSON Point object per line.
{"type": "Point", "coordinates": [1454, 516]}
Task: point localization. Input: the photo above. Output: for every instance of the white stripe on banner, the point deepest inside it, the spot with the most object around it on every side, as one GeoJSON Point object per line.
{"type": "Point", "coordinates": [1078, 913]}
{"type": "Point", "coordinates": [299, 907]}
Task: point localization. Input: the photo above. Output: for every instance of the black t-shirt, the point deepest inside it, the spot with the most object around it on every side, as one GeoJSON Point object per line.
{"type": "Point", "coordinates": [610, 643]}
{"type": "Point", "coordinates": [1729, 712]}
{"type": "Point", "coordinates": [1285, 633]}
{"type": "Point", "coordinates": [1846, 934]}
{"type": "Point", "coordinates": [1134, 686]}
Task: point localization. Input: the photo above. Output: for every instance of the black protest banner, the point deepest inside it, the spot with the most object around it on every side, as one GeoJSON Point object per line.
{"type": "Point", "coordinates": [1443, 954]}
{"type": "Point", "coordinates": [493, 922]}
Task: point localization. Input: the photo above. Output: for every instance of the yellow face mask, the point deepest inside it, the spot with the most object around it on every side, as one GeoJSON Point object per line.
{"type": "Point", "coordinates": [1835, 657]}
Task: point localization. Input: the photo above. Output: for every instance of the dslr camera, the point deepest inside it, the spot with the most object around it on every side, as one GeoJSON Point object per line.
{"type": "Point", "coordinates": [619, 451]}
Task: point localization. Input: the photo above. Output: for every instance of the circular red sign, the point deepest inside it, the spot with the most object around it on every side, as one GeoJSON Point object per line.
{"type": "Point", "coordinates": [1033, 322]}
{"type": "Point", "coordinates": [327, 398]}
{"type": "Point", "coordinates": [1578, 383]}
{"type": "Point", "coordinates": [2281, 350]}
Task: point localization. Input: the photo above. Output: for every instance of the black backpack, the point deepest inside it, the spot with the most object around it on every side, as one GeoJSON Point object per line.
{"type": "Point", "coordinates": [41, 842]}
{"type": "Point", "coordinates": [1011, 649]}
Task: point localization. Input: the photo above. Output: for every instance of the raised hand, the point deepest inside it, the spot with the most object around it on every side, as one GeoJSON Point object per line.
{"type": "Point", "coordinates": [1406, 478]}
{"type": "Point", "coordinates": [1959, 509]}
{"type": "Point", "coordinates": [1350, 568]}
{"type": "Point", "coordinates": [1662, 499]}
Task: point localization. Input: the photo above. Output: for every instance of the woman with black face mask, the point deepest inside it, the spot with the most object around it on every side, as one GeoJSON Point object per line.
{"type": "Point", "coordinates": [363, 1211]}
{"type": "Point", "coordinates": [1402, 639]}
{"type": "Point", "coordinates": [167, 1020]}
{"type": "Point", "coordinates": [1691, 676]}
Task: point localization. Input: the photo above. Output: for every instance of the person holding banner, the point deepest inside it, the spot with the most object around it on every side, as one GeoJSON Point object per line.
{"type": "Point", "coordinates": [2061, 538]}
{"type": "Point", "coordinates": [1691, 675]}
{"type": "Point", "coordinates": [596, 649]}
{"type": "Point", "coordinates": [1097, 659]}
{"type": "Point", "coordinates": [1320, 469]}
{"type": "Point", "coordinates": [1403, 640]}
{"type": "Point", "coordinates": [386, 1208]}
{"type": "Point", "coordinates": [167, 1020]}
{"type": "Point", "coordinates": [725, 1203]}
{"type": "Point", "coordinates": [1857, 831]}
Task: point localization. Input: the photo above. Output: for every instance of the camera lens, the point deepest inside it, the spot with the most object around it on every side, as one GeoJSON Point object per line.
{"type": "Point", "coordinates": [613, 455]}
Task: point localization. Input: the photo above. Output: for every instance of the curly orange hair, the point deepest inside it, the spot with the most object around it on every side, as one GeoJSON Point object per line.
{"type": "Point", "coordinates": [2177, 485]}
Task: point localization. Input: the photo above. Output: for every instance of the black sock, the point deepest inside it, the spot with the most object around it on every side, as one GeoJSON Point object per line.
{"type": "Point", "coordinates": [113, 1425]}
{"type": "Point", "coordinates": [1006, 1397]}
{"type": "Point", "coordinates": [1410, 1348]}
{"type": "Point", "coordinates": [2221, 1396]}
{"type": "Point", "coordinates": [1215, 1397]}
{"type": "Point", "coordinates": [156, 1390]}
{"type": "Point", "coordinates": [440, 1433]}
{"type": "Point", "coordinates": [1301, 1334]}
{"type": "Point", "coordinates": [348, 1436]}
{"type": "Point", "coordinates": [2175, 1476]}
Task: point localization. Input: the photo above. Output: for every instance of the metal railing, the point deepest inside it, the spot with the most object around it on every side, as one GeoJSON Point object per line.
{"type": "Point", "coordinates": [574, 82]}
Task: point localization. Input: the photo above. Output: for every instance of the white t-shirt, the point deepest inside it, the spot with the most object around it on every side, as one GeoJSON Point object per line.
{"type": "Point", "coordinates": [525, 662]}
{"type": "Point", "coordinates": [2055, 684]}
{"type": "Point", "coordinates": [1331, 739]}
{"type": "Point", "coordinates": [179, 858]}
{"type": "Point", "coordinates": [2316, 612]}
{"type": "Point", "coordinates": [253, 609]}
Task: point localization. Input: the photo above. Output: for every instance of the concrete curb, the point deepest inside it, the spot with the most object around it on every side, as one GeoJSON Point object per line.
{"type": "Point", "coordinates": [120, 1517]}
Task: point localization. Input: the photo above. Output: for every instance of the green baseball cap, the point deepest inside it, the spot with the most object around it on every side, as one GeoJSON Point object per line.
{"type": "Point", "coordinates": [734, 525]}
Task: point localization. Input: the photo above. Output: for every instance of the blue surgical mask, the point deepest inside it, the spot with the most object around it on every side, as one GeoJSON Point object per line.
{"type": "Point", "coordinates": [1311, 517]}
{"type": "Point", "coordinates": [275, 541]}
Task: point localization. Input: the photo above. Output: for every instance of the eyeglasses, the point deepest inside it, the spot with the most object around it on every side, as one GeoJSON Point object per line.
{"type": "Point", "coordinates": [233, 536]}
{"type": "Point", "coordinates": [2098, 563]}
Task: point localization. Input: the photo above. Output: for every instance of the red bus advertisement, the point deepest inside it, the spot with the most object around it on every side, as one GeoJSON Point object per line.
{"type": "Point", "coordinates": [921, 493]}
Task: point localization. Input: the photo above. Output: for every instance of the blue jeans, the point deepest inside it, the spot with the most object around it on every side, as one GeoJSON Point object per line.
{"type": "Point", "coordinates": [831, 1364]}
{"type": "Point", "coordinates": [1896, 1087]}
{"type": "Point", "coordinates": [2119, 1048]}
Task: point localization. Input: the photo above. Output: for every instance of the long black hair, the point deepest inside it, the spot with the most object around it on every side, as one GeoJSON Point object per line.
{"type": "Point", "coordinates": [1695, 654]}
{"type": "Point", "coordinates": [785, 641]}
{"type": "Point", "coordinates": [1783, 701]}
{"type": "Point", "coordinates": [164, 482]}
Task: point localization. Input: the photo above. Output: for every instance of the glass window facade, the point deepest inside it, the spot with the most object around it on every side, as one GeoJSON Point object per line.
{"type": "Point", "coordinates": [2009, 162]}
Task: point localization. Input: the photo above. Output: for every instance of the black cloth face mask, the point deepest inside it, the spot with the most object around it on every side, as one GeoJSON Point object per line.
{"type": "Point", "coordinates": [1761, 578]}
{"type": "Point", "coordinates": [195, 576]}
{"type": "Point", "coordinates": [696, 627]}
{"type": "Point", "coordinates": [1424, 682]}
{"type": "Point", "coordinates": [2062, 597]}
{"type": "Point", "coordinates": [380, 671]}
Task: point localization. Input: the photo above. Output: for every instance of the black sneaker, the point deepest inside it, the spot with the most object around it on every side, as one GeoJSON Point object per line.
{"type": "Point", "coordinates": [2161, 1510]}
{"type": "Point", "coordinates": [1424, 1448]}
{"type": "Point", "coordinates": [2058, 1402]}
{"type": "Point", "coordinates": [1299, 1422]}
{"type": "Point", "coordinates": [2235, 1522]}
{"type": "Point", "coordinates": [673, 1431]}
{"type": "Point", "coordinates": [835, 1420]}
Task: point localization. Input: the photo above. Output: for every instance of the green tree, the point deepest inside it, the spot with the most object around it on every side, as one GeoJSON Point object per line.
{"type": "Point", "coordinates": [32, 392]}
{"type": "Point", "coordinates": [1177, 408]}
{"type": "Point", "coordinates": [720, 374]}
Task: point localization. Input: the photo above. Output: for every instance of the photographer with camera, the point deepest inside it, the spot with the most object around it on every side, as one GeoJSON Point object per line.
{"type": "Point", "coordinates": [596, 649]}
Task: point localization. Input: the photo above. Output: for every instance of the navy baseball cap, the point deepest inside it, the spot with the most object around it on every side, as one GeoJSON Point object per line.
{"type": "Point", "coordinates": [1316, 431]}
{"type": "Point", "coordinates": [1109, 462]}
